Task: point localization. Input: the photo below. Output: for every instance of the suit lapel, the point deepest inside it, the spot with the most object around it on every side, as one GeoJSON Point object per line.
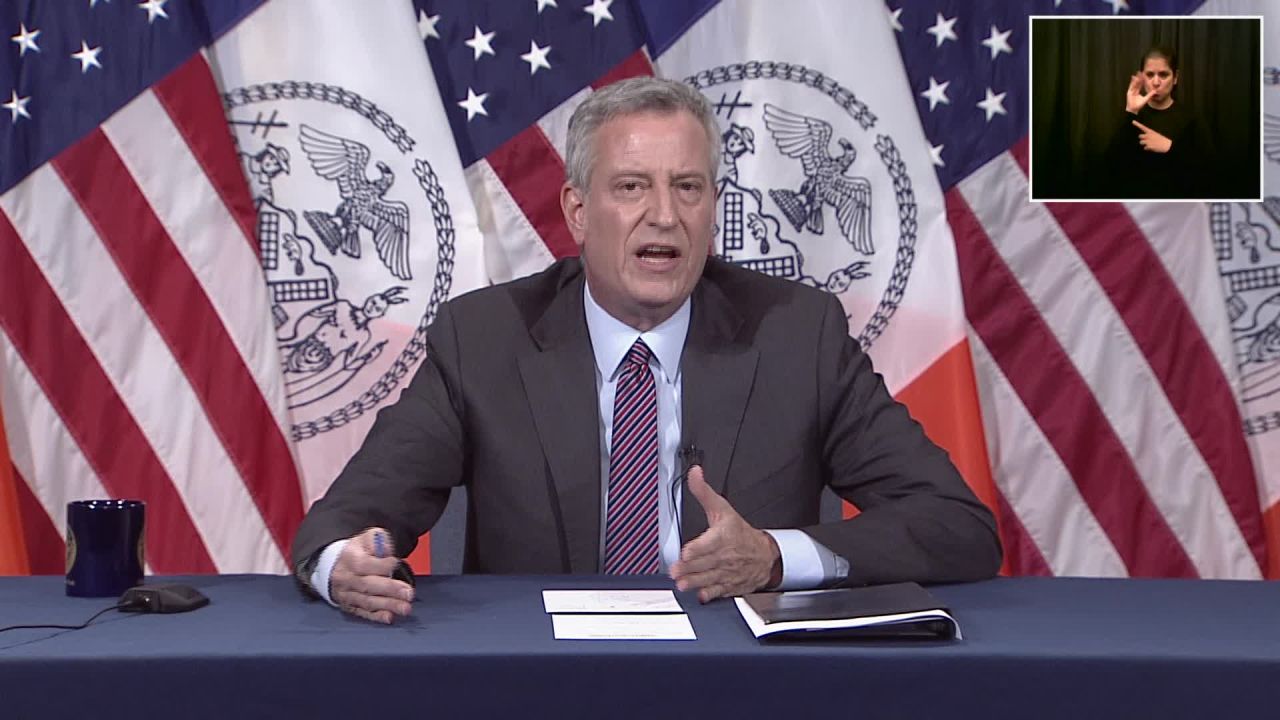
{"type": "Point", "coordinates": [559, 381]}
{"type": "Point", "coordinates": [718, 372]}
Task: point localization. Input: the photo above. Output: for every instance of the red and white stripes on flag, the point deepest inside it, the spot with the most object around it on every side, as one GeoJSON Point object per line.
{"type": "Point", "coordinates": [1114, 432]}
{"type": "Point", "coordinates": [135, 341]}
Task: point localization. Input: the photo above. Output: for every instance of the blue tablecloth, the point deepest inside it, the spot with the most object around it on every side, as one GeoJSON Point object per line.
{"type": "Point", "coordinates": [481, 646]}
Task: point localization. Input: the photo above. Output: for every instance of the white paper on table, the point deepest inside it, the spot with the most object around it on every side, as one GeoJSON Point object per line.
{"type": "Point", "coordinates": [610, 601]}
{"type": "Point", "coordinates": [623, 627]}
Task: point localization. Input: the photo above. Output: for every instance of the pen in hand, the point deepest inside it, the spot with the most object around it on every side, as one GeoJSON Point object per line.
{"type": "Point", "coordinates": [382, 549]}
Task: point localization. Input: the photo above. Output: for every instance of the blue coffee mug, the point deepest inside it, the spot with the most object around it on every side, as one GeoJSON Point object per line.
{"type": "Point", "coordinates": [104, 546]}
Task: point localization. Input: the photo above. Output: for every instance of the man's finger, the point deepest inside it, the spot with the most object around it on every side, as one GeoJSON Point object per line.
{"type": "Point", "coordinates": [710, 501]}
{"type": "Point", "coordinates": [361, 605]}
{"type": "Point", "coordinates": [696, 558]}
{"type": "Point", "coordinates": [382, 587]}
{"type": "Point", "coordinates": [705, 545]}
{"type": "Point", "coordinates": [354, 599]}
{"type": "Point", "coordinates": [711, 592]}
{"type": "Point", "coordinates": [374, 603]}
{"type": "Point", "coordinates": [379, 616]}
{"type": "Point", "coordinates": [710, 585]}
{"type": "Point", "coordinates": [698, 581]}
{"type": "Point", "coordinates": [361, 563]}
{"type": "Point", "coordinates": [359, 593]}
{"type": "Point", "coordinates": [1144, 127]}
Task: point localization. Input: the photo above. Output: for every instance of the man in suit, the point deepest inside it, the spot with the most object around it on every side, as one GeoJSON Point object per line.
{"type": "Point", "coordinates": [647, 408]}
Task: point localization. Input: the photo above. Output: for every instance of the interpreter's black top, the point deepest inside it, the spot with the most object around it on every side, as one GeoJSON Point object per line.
{"type": "Point", "coordinates": [1183, 172]}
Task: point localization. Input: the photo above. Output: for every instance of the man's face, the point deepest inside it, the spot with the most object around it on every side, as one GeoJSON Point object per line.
{"type": "Point", "coordinates": [644, 227]}
{"type": "Point", "coordinates": [1158, 79]}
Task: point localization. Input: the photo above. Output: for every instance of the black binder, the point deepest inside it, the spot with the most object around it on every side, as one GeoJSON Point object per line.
{"type": "Point", "coordinates": [897, 611]}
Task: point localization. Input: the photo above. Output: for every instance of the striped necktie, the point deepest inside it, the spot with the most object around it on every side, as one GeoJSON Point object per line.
{"type": "Point", "coordinates": [631, 522]}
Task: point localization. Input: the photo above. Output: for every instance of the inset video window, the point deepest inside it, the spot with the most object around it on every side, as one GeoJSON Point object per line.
{"type": "Point", "coordinates": [1146, 108]}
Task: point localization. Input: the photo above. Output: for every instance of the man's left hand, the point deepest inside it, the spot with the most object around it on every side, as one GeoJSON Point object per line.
{"type": "Point", "coordinates": [1152, 140]}
{"type": "Point", "coordinates": [731, 557]}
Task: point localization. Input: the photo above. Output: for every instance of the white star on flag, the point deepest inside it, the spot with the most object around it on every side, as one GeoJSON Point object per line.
{"type": "Point", "coordinates": [998, 42]}
{"type": "Point", "coordinates": [87, 56]}
{"type": "Point", "coordinates": [599, 11]}
{"type": "Point", "coordinates": [943, 30]}
{"type": "Point", "coordinates": [26, 40]}
{"type": "Point", "coordinates": [895, 19]}
{"type": "Point", "coordinates": [17, 106]}
{"type": "Point", "coordinates": [1117, 5]}
{"type": "Point", "coordinates": [427, 25]}
{"type": "Point", "coordinates": [543, 4]}
{"type": "Point", "coordinates": [536, 57]}
{"type": "Point", "coordinates": [481, 43]}
{"type": "Point", "coordinates": [937, 93]}
{"type": "Point", "coordinates": [154, 8]}
{"type": "Point", "coordinates": [935, 155]}
{"type": "Point", "coordinates": [474, 104]}
{"type": "Point", "coordinates": [993, 104]}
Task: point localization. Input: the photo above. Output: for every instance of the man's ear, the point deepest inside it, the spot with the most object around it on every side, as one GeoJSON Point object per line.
{"type": "Point", "coordinates": [573, 205]}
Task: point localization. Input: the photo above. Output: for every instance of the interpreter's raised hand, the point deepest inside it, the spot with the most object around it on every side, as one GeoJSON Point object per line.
{"type": "Point", "coordinates": [1152, 140]}
{"type": "Point", "coordinates": [1134, 100]}
{"type": "Point", "coordinates": [731, 557]}
{"type": "Point", "coordinates": [361, 582]}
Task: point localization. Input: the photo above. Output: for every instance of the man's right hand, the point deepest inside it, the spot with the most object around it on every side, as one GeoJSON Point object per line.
{"type": "Point", "coordinates": [361, 582]}
{"type": "Point", "coordinates": [1134, 100]}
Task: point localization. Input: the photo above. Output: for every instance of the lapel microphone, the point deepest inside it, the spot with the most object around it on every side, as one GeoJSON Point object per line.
{"type": "Point", "coordinates": [689, 456]}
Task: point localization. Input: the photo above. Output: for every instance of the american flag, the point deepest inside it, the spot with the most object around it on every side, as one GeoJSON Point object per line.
{"type": "Point", "coordinates": [135, 359]}
{"type": "Point", "coordinates": [1112, 432]}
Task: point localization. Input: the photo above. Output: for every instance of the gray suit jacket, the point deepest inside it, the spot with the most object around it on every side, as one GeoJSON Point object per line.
{"type": "Point", "coordinates": [777, 396]}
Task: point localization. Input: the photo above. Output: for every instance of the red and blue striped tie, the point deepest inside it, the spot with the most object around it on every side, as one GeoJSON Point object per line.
{"type": "Point", "coordinates": [631, 522]}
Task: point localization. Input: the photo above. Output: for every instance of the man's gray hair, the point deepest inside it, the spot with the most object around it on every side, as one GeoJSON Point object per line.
{"type": "Point", "coordinates": [630, 97]}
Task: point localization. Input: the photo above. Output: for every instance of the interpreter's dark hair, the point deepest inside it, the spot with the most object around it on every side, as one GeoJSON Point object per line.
{"type": "Point", "coordinates": [1164, 53]}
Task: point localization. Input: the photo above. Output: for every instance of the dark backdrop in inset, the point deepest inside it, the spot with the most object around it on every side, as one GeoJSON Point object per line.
{"type": "Point", "coordinates": [1080, 70]}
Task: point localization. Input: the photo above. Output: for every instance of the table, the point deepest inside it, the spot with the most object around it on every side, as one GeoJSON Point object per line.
{"type": "Point", "coordinates": [481, 646]}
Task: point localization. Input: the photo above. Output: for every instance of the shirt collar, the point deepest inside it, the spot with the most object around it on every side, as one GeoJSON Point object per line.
{"type": "Point", "coordinates": [611, 338]}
